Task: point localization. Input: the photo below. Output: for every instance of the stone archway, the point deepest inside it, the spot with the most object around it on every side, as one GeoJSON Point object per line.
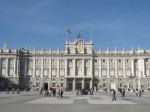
{"type": "Point", "coordinates": [112, 84]}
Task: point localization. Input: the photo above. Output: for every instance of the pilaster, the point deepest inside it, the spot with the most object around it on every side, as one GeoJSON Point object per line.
{"type": "Point", "coordinates": [66, 67]}
{"type": "Point", "coordinates": [50, 68]}
{"type": "Point", "coordinates": [7, 67]}
{"type": "Point", "coordinates": [15, 65]}
{"type": "Point", "coordinates": [108, 69]}
{"type": "Point", "coordinates": [91, 83]}
{"type": "Point", "coordinates": [100, 68]}
{"type": "Point", "coordinates": [91, 67]}
{"type": "Point", "coordinates": [18, 66]}
{"type": "Point", "coordinates": [83, 83]}
{"type": "Point", "coordinates": [41, 67]}
{"type": "Point", "coordinates": [124, 68]}
{"type": "Point", "coordinates": [74, 84]}
{"type": "Point", "coordinates": [116, 68]}
{"type": "Point", "coordinates": [58, 64]}
{"type": "Point", "coordinates": [25, 67]}
{"type": "Point", "coordinates": [33, 67]}
{"type": "Point", "coordinates": [132, 67]}
{"type": "Point", "coordinates": [74, 67]}
{"type": "Point", "coordinates": [0, 66]}
{"type": "Point", "coordinates": [83, 73]}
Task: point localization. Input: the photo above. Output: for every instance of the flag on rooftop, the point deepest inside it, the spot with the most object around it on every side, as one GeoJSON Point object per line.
{"type": "Point", "coordinates": [68, 30]}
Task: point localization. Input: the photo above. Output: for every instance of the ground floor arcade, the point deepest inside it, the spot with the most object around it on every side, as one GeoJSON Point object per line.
{"type": "Point", "coordinates": [74, 83]}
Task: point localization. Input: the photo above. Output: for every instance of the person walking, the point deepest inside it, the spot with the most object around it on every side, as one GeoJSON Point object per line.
{"type": "Point", "coordinates": [13, 90]}
{"type": "Point", "coordinates": [61, 93]}
{"type": "Point", "coordinates": [123, 93]}
{"type": "Point", "coordinates": [7, 91]}
{"type": "Point", "coordinates": [50, 92]}
{"type": "Point", "coordinates": [41, 91]}
{"type": "Point", "coordinates": [106, 90]}
{"type": "Point", "coordinates": [18, 91]}
{"type": "Point", "coordinates": [58, 93]}
{"type": "Point", "coordinates": [136, 92]}
{"type": "Point", "coordinates": [140, 93]}
{"type": "Point", "coordinates": [114, 95]}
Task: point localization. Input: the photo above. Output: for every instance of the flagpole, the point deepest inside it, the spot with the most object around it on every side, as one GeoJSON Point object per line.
{"type": "Point", "coordinates": [91, 34]}
{"type": "Point", "coordinates": [68, 31]}
{"type": "Point", "coordinates": [67, 36]}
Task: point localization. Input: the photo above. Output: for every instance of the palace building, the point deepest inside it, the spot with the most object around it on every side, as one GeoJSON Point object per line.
{"type": "Point", "coordinates": [76, 67]}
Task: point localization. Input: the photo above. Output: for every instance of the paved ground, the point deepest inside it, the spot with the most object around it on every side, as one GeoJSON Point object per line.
{"type": "Point", "coordinates": [99, 102]}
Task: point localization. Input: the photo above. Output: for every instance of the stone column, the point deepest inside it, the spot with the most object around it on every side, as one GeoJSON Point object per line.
{"type": "Point", "coordinates": [41, 67]}
{"type": "Point", "coordinates": [33, 67]}
{"type": "Point", "coordinates": [83, 83]}
{"type": "Point", "coordinates": [141, 72]}
{"type": "Point", "coordinates": [91, 83]}
{"type": "Point", "coordinates": [25, 67]}
{"type": "Point", "coordinates": [100, 68]}
{"type": "Point", "coordinates": [132, 74]}
{"type": "Point", "coordinates": [132, 67]}
{"type": "Point", "coordinates": [83, 73]}
{"type": "Point", "coordinates": [108, 69]}
{"type": "Point", "coordinates": [91, 67]}
{"type": "Point", "coordinates": [116, 68]}
{"type": "Point", "coordinates": [7, 67]}
{"type": "Point", "coordinates": [74, 84]}
{"type": "Point", "coordinates": [18, 67]}
{"type": "Point", "coordinates": [66, 67]}
{"type": "Point", "coordinates": [65, 83]}
{"type": "Point", "coordinates": [58, 61]}
{"type": "Point", "coordinates": [124, 68]}
{"type": "Point", "coordinates": [50, 68]}
{"type": "Point", "coordinates": [74, 67]}
{"type": "Point", "coordinates": [0, 66]}
{"type": "Point", "coordinates": [139, 76]}
{"type": "Point", "coordinates": [143, 67]}
{"type": "Point", "coordinates": [15, 65]}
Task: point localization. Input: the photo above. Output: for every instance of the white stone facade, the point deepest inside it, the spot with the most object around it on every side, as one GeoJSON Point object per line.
{"type": "Point", "coordinates": [77, 67]}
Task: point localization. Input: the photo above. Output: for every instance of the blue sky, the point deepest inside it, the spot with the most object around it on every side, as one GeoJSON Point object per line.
{"type": "Point", "coordinates": [43, 23]}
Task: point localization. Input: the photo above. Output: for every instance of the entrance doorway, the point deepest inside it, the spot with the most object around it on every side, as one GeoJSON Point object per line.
{"type": "Point", "coordinates": [45, 86]}
{"type": "Point", "coordinates": [87, 86]}
{"type": "Point", "coordinates": [78, 86]}
{"type": "Point", "coordinates": [70, 86]}
{"type": "Point", "coordinates": [113, 86]}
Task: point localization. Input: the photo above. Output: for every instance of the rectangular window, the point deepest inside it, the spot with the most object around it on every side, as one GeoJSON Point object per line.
{"type": "Point", "coordinates": [119, 60]}
{"type": "Point", "coordinates": [104, 80]}
{"type": "Point", "coordinates": [149, 85]}
{"type": "Point", "coordinates": [146, 60]}
{"type": "Point", "coordinates": [37, 60]}
{"type": "Point", "coordinates": [61, 84]}
{"type": "Point", "coordinates": [120, 85]}
{"type": "Point", "coordinates": [103, 61]}
{"type": "Point", "coordinates": [53, 84]}
{"type": "Point", "coordinates": [135, 60]}
{"type": "Point", "coordinates": [127, 61]}
{"type": "Point", "coordinates": [95, 60]}
{"type": "Point", "coordinates": [45, 60]}
{"type": "Point", "coordinates": [104, 85]}
{"type": "Point", "coordinates": [53, 60]}
{"type": "Point", "coordinates": [61, 60]}
{"type": "Point", "coordinates": [37, 84]}
{"type": "Point", "coordinates": [70, 60]}
{"type": "Point", "coordinates": [111, 61]}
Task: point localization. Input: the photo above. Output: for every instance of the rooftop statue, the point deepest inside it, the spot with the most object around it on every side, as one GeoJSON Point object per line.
{"type": "Point", "coordinates": [79, 36]}
{"type": "Point", "coordinates": [5, 46]}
